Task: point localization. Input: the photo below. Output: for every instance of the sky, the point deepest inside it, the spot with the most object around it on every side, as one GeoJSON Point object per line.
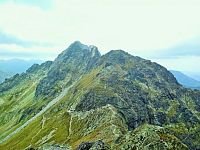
{"type": "Point", "coordinates": [167, 32]}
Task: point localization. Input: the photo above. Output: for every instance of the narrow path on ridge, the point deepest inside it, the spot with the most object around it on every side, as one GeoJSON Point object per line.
{"type": "Point", "coordinates": [49, 105]}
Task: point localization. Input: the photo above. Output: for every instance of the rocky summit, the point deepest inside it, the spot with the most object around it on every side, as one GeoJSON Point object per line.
{"type": "Point", "coordinates": [85, 101]}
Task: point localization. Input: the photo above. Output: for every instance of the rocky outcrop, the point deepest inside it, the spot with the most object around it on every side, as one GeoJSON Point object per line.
{"type": "Point", "coordinates": [151, 138]}
{"type": "Point", "coordinates": [98, 145]}
{"type": "Point", "coordinates": [72, 63]}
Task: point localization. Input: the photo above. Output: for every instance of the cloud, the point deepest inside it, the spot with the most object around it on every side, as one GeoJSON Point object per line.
{"type": "Point", "coordinates": [183, 63]}
{"type": "Point", "coordinates": [146, 28]}
{"type": "Point", "coordinates": [183, 49]}
{"type": "Point", "coordinates": [12, 47]}
{"type": "Point", "coordinates": [33, 53]}
{"type": "Point", "coordinates": [136, 26]}
{"type": "Point", "coordinates": [184, 56]}
{"type": "Point", "coordinates": [9, 39]}
{"type": "Point", "coordinates": [44, 4]}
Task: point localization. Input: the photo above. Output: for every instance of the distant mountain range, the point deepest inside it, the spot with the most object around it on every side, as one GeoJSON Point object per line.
{"type": "Point", "coordinates": [185, 80]}
{"type": "Point", "coordinates": [194, 75]}
{"type": "Point", "coordinates": [17, 65]}
{"type": "Point", "coordinates": [11, 67]}
{"type": "Point", "coordinates": [4, 75]}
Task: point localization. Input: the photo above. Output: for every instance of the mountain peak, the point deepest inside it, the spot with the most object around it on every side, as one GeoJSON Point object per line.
{"type": "Point", "coordinates": [77, 58]}
{"type": "Point", "coordinates": [78, 45]}
{"type": "Point", "coordinates": [115, 57]}
{"type": "Point", "coordinates": [94, 51]}
{"type": "Point", "coordinates": [78, 49]}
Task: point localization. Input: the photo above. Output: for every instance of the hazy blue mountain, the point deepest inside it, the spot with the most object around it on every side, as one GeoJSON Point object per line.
{"type": "Point", "coordinates": [185, 80]}
{"type": "Point", "coordinates": [4, 75]}
{"type": "Point", "coordinates": [17, 65]}
{"type": "Point", "coordinates": [194, 75]}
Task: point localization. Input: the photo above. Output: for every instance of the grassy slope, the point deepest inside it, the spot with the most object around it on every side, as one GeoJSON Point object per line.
{"type": "Point", "coordinates": [71, 128]}
{"type": "Point", "coordinates": [53, 126]}
{"type": "Point", "coordinates": [17, 103]}
{"type": "Point", "coordinates": [13, 105]}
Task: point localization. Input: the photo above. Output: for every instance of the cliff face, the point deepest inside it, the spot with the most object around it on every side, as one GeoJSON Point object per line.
{"type": "Point", "coordinates": [114, 101]}
{"type": "Point", "coordinates": [72, 63]}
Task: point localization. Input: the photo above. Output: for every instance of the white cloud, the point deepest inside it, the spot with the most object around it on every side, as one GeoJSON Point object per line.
{"type": "Point", "coordinates": [130, 24]}
{"type": "Point", "coordinates": [10, 51]}
{"type": "Point", "coordinates": [142, 27]}
{"type": "Point", "coordinates": [16, 48]}
{"type": "Point", "coordinates": [184, 63]}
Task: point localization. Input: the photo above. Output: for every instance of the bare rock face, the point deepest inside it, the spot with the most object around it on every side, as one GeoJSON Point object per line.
{"type": "Point", "coordinates": [75, 61]}
{"type": "Point", "coordinates": [98, 145]}
{"type": "Point", "coordinates": [85, 146]}
{"type": "Point", "coordinates": [150, 137]}
{"type": "Point", "coordinates": [137, 88]}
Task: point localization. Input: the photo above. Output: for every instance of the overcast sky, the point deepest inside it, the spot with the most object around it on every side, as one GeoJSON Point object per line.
{"type": "Point", "coordinates": [165, 31]}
